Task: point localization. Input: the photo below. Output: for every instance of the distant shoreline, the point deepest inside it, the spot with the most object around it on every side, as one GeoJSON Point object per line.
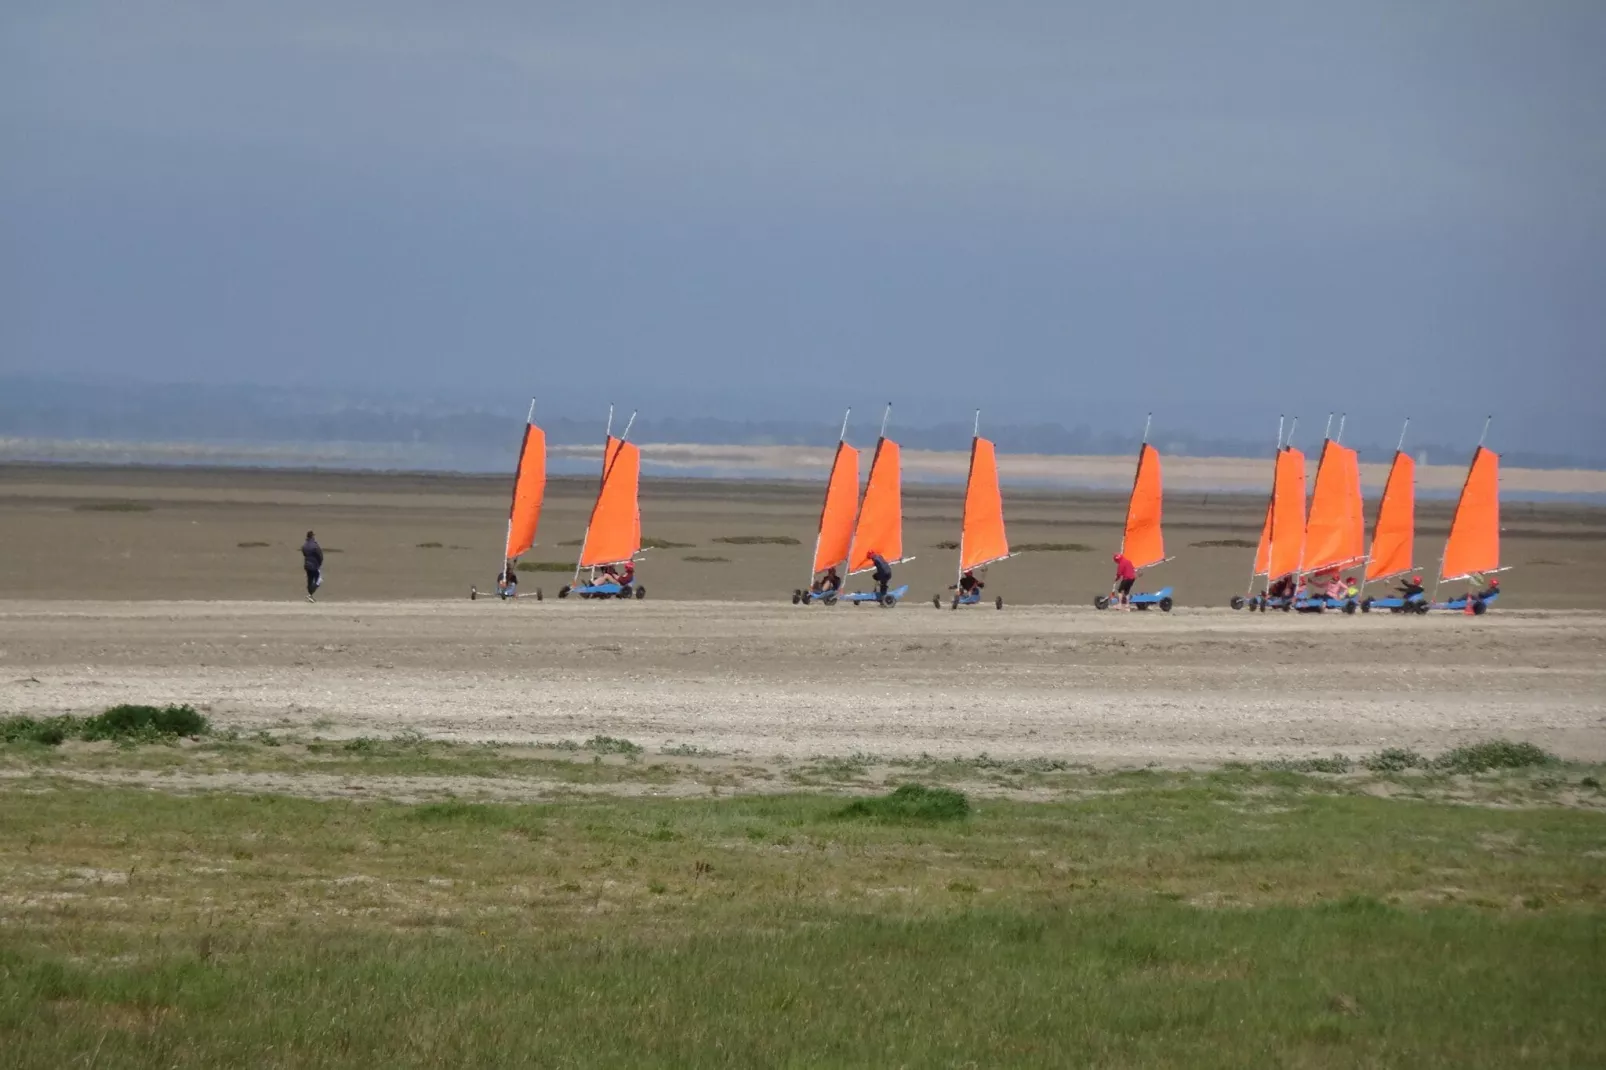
{"type": "Point", "coordinates": [771, 464]}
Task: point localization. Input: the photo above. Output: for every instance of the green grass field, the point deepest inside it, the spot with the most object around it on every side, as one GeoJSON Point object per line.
{"type": "Point", "coordinates": [1236, 918]}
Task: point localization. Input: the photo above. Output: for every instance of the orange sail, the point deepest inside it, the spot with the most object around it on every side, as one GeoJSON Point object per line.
{"type": "Point", "coordinates": [1394, 533]}
{"type": "Point", "coordinates": [836, 516]}
{"type": "Point", "coordinates": [880, 525]}
{"type": "Point", "coordinates": [1334, 534]}
{"type": "Point", "coordinates": [614, 534]}
{"type": "Point", "coordinates": [1355, 522]}
{"type": "Point", "coordinates": [529, 487]}
{"type": "Point", "coordinates": [982, 539]}
{"type": "Point", "coordinates": [1474, 542]}
{"type": "Point", "coordinates": [1142, 542]}
{"type": "Point", "coordinates": [1282, 539]}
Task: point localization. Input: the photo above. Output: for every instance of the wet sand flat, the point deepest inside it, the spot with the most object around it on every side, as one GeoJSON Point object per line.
{"type": "Point", "coordinates": [128, 533]}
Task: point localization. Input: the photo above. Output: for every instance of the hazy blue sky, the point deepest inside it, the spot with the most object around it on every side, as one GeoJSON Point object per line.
{"type": "Point", "coordinates": [1215, 210]}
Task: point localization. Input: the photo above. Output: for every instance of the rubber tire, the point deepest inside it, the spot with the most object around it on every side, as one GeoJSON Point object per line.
{"type": "Point", "coordinates": [563, 592]}
{"type": "Point", "coordinates": [1421, 609]}
{"type": "Point", "coordinates": [473, 593]}
{"type": "Point", "coordinates": [1101, 601]}
{"type": "Point", "coordinates": [1166, 604]}
{"type": "Point", "coordinates": [1288, 607]}
{"type": "Point", "coordinates": [1479, 609]}
{"type": "Point", "coordinates": [888, 601]}
{"type": "Point", "coordinates": [797, 597]}
{"type": "Point", "coordinates": [538, 595]}
{"type": "Point", "coordinates": [641, 592]}
{"type": "Point", "coordinates": [936, 601]}
{"type": "Point", "coordinates": [1350, 607]}
{"type": "Point", "coordinates": [1237, 601]}
{"type": "Point", "coordinates": [998, 603]}
{"type": "Point", "coordinates": [1366, 605]}
{"type": "Point", "coordinates": [830, 599]}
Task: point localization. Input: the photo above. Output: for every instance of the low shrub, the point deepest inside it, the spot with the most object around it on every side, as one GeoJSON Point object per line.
{"type": "Point", "coordinates": [706, 559]}
{"type": "Point", "coordinates": [1494, 754]}
{"type": "Point", "coordinates": [611, 745]}
{"type": "Point", "coordinates": [1236, 544]}
{"type": "Point", "coordinates": [1394, 760]}
{"type": "Point", "coordinates": [1053, 547]}
{"type": "Point", "coordinates": [134, 722]}
{"type": "Point", "coordinates": [253, 545]}
{"type": "Point", "coordinates": [124, 724]}
{"type": "Point", "coordinates": [758, 540]}
{"type": "Point", "coordinates": [48, 731]}
{"type": "Point", "coordinates": [664, 544]}
{"type": "Point", "coordinates": [909, 803]}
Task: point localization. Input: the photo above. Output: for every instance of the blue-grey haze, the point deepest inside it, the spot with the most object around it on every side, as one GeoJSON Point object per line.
{"type": "Point", "coordinates": [1061, 212]}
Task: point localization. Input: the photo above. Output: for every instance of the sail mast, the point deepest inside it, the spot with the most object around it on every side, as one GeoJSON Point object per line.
{"type": "Point", "coordinates": [518, 467]}
{"type": "Point", "coordinates": [585, 537]}
{"type": "Point", "coordinates": [830, 476]}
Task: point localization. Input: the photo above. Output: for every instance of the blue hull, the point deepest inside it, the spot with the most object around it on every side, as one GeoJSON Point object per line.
{"type": "Point", "coordinates": [1459, 605]}
{"type": "Point", "coordinates": [896, 594]}
{"type": "Point", "coordinates": [1160, 599]}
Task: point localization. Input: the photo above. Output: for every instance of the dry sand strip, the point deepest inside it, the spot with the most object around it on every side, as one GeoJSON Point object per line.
{"type": "Point", "coordinates": [1193, 687]}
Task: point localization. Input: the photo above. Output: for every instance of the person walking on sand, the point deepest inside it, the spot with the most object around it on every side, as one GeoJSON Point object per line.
{"type": "Point", "coordinates": [312, 561]}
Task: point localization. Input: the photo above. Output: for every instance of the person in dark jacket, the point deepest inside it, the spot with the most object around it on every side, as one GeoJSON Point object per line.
{"type": "Point", "coordinates": [882, 574]}
{"type": "Point", "coordinates": [312, 561]}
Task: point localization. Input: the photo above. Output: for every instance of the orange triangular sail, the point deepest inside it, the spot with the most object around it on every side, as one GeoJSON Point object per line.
{"type": "Point", "coordinates": [1282, 538]}
{"type": "Point", "coordinates": [1474, 543]}
{"type": "Point", "coordinates": [836, 515]}
{"type": "Point", "coordinates": [529, 487]}
{"type": "Point", "coordinates": [1142, 541]}
{"type": "Point", "coordinates": [880, 525]}
{"type": "Point", "coordinates": [982, 539]}
{"type": "Point", "coordinates": [614, 534]}
{"type": "Point", "coordinates": [1333, 533]}
{"type": "Point", "coordinates": [1394, 532]}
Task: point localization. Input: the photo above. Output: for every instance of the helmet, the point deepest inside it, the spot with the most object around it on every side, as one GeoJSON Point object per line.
{"type": "Point", "coordinates": [1116, 556]}
{"type": "Point", "coordinates": [1416, 579]}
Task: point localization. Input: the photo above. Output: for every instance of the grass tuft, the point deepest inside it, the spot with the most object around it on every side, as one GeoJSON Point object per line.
{"type": "Point", "coordinates": [1052, 548]}
{"type": "Point", "coordinates": [948, 544]}
{"type": "Point", "coordinates": [706, 559]}
{"type": "Point", "coordinates": [431, 546]}
{"type": "Point", "coordinates": [544, 566]}
{"type": "Point", "coordinates": [758, 540]}
{"type": "Point", "coordinates": [664, 544]}
{"type": "Point", "coordinates": [909, 803]}
{"type": "Point", "coordinates": [253, 544]}
{"type": "Point", "coordinates": [1237, 544]}
{"type": "Point", "coordinates": [611, 745]}
{"type": "Point", "coordinates": [1336, 764]}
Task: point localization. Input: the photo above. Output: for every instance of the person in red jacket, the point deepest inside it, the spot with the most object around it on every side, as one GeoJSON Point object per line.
{"type": "Point", "coordinates": [1125, 577]}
